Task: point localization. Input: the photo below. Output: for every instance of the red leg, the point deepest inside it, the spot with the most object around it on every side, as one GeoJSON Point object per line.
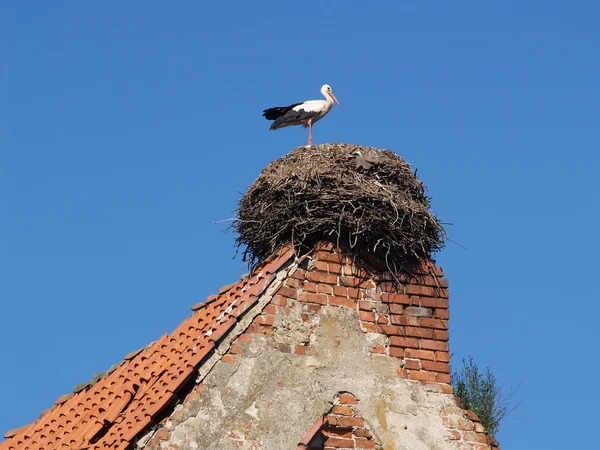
{"type": "Point", "coordinates": [309, 133]}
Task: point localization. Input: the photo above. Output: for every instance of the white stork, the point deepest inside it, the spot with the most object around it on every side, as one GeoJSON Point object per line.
{"type": "Point", "coordinates": [306, 114]}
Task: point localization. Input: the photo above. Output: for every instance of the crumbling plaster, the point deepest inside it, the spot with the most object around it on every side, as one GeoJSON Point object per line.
{"type": "Point", "coordinates": [268, 399]}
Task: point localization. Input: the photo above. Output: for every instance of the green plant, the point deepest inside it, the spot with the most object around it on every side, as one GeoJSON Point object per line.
{"type": "Point", "coordinates": [479, 392]}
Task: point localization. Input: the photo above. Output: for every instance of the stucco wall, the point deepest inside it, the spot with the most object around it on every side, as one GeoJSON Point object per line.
{"type": "Point", "coordinates": [262, 397]}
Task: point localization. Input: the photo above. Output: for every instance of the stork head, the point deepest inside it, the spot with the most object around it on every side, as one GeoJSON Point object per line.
{"type": "Point", "coordinates": [328, 93]}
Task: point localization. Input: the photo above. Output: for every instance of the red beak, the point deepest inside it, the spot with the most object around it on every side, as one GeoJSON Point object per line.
{"type": "Point", "coordinates": [334, 99]}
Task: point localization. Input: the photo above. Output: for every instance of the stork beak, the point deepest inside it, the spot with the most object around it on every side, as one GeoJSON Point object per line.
{"type": "Point", "coordinates": [334, 99]}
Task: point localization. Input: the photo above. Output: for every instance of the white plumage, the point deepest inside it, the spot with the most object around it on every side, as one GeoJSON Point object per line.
{"type": "Point", "coordinates": [306, 114]}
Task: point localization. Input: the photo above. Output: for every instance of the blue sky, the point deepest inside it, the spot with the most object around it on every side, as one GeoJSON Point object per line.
{"type": "Point", "coordinates": [128, 128]}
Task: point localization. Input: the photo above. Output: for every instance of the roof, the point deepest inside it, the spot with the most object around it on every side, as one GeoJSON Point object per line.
{"type": "Point", "coordinates": [112, 410]}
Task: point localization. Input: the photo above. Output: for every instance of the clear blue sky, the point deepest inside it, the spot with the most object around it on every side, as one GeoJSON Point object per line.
{"type": "Point", "coordinates": [127, 128]}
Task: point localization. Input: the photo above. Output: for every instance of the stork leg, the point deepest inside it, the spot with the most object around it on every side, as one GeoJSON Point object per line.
{"type": "Point", "coordinates": [310, 133]}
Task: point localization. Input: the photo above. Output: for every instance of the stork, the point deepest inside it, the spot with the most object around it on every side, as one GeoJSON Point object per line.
{"type": "Point", "coordinates": [306, 114]}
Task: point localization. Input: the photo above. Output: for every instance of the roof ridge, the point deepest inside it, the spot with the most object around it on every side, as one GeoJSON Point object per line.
{"type": "Point", "coordinates": [113, 410]}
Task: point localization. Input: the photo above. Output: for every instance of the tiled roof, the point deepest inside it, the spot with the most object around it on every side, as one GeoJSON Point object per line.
{"type": "Point", "coordinates": [110, 412]}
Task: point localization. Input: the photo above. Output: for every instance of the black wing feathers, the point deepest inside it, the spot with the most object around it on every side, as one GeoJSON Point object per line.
{"type": "Point", "coordinates": [277, 111]}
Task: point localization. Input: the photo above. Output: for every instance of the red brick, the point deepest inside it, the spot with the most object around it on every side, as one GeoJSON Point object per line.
{"type": "Point", "coordinates": [299, 274]}
{"type": "Point", "coordinates": [424, 291]}
{"type": "Point", "coordinates": [434, 345]}
{"type": "Point", "coordinates": [334, 268]}
{"type": "Point", "coordinates": [330, 257]}
{"type": "Point", "coordinates": [342, 410]}
{"type": "Point", "coordinates": [382, 319]}
{"type": "Point", "coordinates": [471, 436]}
{"type": "Point", "coordinates": [472, 416]}
{"type": "Point", "coordinates": [293, 283]}
{"type": "Point", "coordinates": [442, 303]}
{"type": "Point", "coordinates": [433, 323]}
{"type": "Point", "coordinates": [365, 306]}
{"type": "Point", "coordinates": [287, 291]}
{"type": "Point", "coordinates": [309, 286]}
{"type": "Point", "coordinates": [378, 349]}
{"type": "Point", "coordinates": [244, 338]}
{"type": "Point", "coordinates": [441, 314]}
{"type": "Point", "coordinates": [396, 298]}
{"type": "Point", "coordinates": [428, 280]}
{"type": "Point", "coordinates": [366, 316]}
{"type": "Point", "coordinates": [320, 265]}
{"type": "Point", "coordinates": [443, 378]}
{"type": "Point", "coordinates": [396, 308]}
{"type": "Point", "coordinates": [235, 349]}
{"type": "Point", "coordinates": [300, 350]}
{"type": "Point", "coordinates": [349, 281]}
{"type": "Point", "coordinates": [325, 278]}
{"type": "Point", "coordinates": [337, 432]}
{"type": "Point", "coordinates": [228, 359]}
{"type": "Point", "coordinates": [420, 354]}
{"type": "Point", "coordinates": [347, 399]}
{"type": "Point", "coordinates": [342, 301]}
{"type": "Point", "coordinates": [436, 366]}
{"type": "Point", "coordinates": [421, 376]}
{"type": "Point", "coordinates": [389, 330]}
{"type": "Point", "coordinates": [353, 293]}
{"type": "Point", "coordinates": [253, 328]}
{"type": "Point", "coordinates": [404, 320]}
{"type": "Point", "coordinates": [454, 435]}
{"type": "Point", "coordinates": [324, 289]}
{"type": "Point", "coordinates": [338, 442]}
{"type": "Point", "coordinates": [429, 302]}
{"type": "Point", "coordinates": [400, 341]}
{"type": "Point", "coordinates": [309, 297]}
{"type": "Point", "coordinates": [440, 335]}
{"type": "Point", "coordinates": [397, 352]}
{"type": "Point", "coordinates": [269, 309]}
{"type": "Point", "coordinates": [419, 332]}
{"type": "Point", "coordinates": [364, 443]}
{"type": "Point", "coordinates": [362, 432]}
{"type": "Point", "coordinates": [442, 356]}
{"type": "Point", "coordinates": [265, 320]}
{"type": "Point", "coordinates": [340, 291]}
{"type": "Point", "coordinates": [345, 421]}
{"type": "Point", "coordinates": [413, 364]}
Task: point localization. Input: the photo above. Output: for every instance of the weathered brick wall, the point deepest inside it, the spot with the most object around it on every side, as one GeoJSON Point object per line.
{"type": "Point", "coordinates": [404, 329]}
{"type": "Point", "coordinates": [406, 321]}
{"type": "Point", "coordinates": [341, 427]}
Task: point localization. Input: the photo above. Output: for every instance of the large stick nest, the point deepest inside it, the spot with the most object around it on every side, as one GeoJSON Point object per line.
{"type": "Point", "coordinates": [365, 200]}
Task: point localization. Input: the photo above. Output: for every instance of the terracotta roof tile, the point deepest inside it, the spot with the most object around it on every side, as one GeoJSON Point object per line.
{"type": "Point", "coordinates": [109, 411]}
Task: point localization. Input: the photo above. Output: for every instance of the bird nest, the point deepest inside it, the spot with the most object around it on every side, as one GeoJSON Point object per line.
{"type": "Point", "coordinates": [367, 201]}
